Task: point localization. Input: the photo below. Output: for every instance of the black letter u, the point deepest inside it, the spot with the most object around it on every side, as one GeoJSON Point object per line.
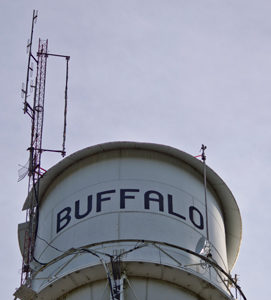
{"type": "Point", "coordinates": [77, 208]}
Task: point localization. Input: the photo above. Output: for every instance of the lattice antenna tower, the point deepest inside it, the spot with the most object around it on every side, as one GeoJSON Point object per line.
{"type": "Point", "coordinates": [36, 114]}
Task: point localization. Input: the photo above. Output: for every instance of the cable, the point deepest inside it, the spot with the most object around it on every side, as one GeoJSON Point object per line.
{"type": "Point", "coordinates": [62, 251]}
{"type": "Point", "coordinates": [65, 107]}
{"type": "Point", "coordinates": [133, 249]}
{"type": "Point", "coordinates": [44, 264]}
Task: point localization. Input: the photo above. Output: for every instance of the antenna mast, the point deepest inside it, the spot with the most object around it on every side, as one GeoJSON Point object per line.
{"type": "Point", "coordinates": [35, 171]}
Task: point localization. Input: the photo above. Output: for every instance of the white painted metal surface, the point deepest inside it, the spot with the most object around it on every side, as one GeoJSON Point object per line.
{"type": "Point", "coordinates": [145, 203]}
{"type": "Point", "coordinates": [136, 288]}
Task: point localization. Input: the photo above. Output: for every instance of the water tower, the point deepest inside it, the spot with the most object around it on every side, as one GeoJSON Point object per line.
{"type": "Point", "coordinates": [133, 221]}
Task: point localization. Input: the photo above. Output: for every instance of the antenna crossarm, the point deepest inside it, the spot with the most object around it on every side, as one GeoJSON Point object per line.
{"type": "Point", "coordinates": [46, 150]}
{"type": "Point", "coordinates": [52, 54]}
{"type": "Point", "coordinates": [34, 58]}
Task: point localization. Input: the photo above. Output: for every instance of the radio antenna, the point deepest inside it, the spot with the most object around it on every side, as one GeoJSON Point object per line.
{"type": "Point", "coordinates": [203, 158]}
{"type": "Point", "coordinates": [36, 114]}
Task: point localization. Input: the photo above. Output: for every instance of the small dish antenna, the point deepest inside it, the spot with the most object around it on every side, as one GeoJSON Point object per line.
{"type": "Point", "coordinates": [200, 245]}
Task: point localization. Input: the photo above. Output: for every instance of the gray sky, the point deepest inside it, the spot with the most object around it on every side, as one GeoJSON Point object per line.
{"type": "Point", "coordinates": [174, 72]}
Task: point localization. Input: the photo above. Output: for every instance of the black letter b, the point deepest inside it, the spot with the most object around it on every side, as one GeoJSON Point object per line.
{"type": "Point", "coordinates": [66, 218]}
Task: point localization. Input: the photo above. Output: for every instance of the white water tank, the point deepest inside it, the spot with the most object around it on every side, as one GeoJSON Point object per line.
{"type": "Point", "coordinates": [127, 220]}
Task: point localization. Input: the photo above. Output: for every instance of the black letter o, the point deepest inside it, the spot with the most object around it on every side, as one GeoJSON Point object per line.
{"type": "Point", "coordinates": [191, 216]}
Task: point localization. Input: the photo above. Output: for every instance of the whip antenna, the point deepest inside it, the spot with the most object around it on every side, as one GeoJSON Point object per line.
{"type": "Point", "coordinates": [203, 157]}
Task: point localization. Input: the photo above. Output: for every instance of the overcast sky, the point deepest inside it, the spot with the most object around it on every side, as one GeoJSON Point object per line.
{"type": "Point", "coordinates": [175, 72]}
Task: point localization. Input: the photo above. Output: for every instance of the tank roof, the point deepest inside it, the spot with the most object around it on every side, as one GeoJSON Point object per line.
{"type": "Point", "coordinates": [230, 210]}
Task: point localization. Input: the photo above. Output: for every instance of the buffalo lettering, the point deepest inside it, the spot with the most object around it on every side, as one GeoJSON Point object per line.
{"type": "Point", "coordinates": [151, 200]}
